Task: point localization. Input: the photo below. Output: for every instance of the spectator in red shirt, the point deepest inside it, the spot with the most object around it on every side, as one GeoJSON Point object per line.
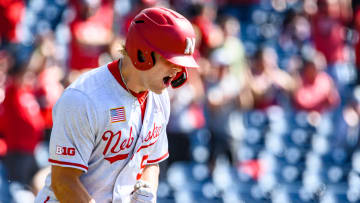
{"type": "Point", "coordinates": [266, 81]}
{"type": "Point", "coordinates": [48, 92]}
{"type": "Point", "coordinates": [315, 89]}
{"type": "Point", "coordinates": [24, 125]}
{"type": "Point", "coordinates": [329, 34]}
{"type": "Point", "coordinates": [11, 13]}
{"type": "Point", "coordinates": [329, 31]}
{"type": "Point", "coordinates": [5, 62]}
{"type": "Point", "coordinates": [91, 32]}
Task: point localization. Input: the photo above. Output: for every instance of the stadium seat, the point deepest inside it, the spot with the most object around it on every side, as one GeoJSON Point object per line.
{"type": "Point", "coordinates": [4, 186]}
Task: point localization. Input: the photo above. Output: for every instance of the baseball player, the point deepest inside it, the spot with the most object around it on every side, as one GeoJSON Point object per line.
{"type": "Point", "coordinates": [109, 126]}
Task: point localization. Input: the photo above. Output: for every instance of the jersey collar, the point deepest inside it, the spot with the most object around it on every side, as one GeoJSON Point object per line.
{"type": "Point", "coordinates": [114, 70]}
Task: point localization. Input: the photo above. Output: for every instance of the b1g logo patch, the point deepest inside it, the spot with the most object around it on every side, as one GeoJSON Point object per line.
{"type": "Point", "coordinates": [67, 151]}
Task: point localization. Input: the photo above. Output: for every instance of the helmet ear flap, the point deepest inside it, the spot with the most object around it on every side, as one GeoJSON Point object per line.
{"type": "Point", "coordinates": [179, 79]}
{"type": "Point", "coordinates": [144, 59]}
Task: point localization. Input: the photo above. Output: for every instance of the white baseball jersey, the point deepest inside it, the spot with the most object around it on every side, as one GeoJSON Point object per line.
{"type": "Point", "coordinates": [98, 128]}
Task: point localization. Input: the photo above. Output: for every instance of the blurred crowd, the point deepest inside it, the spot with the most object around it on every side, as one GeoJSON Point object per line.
{"type": "Point", "coordinates": [272, 115]}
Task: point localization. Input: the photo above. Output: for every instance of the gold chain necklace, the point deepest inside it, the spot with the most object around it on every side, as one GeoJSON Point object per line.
{"type": "Point", "coordinates": [122, 78]}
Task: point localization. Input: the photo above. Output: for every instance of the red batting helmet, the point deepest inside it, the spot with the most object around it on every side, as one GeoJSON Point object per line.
{"type": "Point", "coordinates": [165, 32]}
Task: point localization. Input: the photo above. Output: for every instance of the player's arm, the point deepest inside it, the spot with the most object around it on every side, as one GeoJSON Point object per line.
{"type": "Point", "coordinates": [145, 189]}
{"type": "Point", "coordinates": [151, 175]}
{"type": "Point", "coordinates": [67, 187]}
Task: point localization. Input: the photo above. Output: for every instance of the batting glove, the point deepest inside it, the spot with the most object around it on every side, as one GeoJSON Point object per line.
{"type": "Point", "coordinates": [143, 193]}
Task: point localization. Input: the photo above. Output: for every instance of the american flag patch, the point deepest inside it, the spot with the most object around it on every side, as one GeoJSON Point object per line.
{"type": "Point", "coordinates": [117, 115]}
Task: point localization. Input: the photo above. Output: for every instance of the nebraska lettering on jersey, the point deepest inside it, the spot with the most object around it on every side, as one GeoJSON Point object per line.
{"type": "Point", "coordinates": [153, 134]}
{"type": "Point", "coordinates": [118, 146]}
{"type": "Point", "coordinates": [150, 137]}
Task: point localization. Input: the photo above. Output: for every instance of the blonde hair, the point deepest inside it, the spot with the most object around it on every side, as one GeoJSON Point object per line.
{"type": "Point", "coordinates": [123, 50]}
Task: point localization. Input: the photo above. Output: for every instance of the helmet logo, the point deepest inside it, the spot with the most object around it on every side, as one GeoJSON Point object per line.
{"type": "Point", "coordinates": [190, 45]}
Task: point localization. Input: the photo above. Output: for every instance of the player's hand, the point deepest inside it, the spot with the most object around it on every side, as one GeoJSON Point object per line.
{"type": "Point", "coordinates": [143, 193]}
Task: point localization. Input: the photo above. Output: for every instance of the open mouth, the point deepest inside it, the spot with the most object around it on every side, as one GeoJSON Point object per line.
{"type": "Point", "coordinates": [167, 80]}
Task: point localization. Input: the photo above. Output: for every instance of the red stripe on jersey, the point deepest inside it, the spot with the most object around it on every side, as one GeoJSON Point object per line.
{"type": "Point", "coordinates": [159, 159]}
{"type": "Point", "coordinates": [67, 163]}
{"type": "Point", "coordinates": [117, 158]}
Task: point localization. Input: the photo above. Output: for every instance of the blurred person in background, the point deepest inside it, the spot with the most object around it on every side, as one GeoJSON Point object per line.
{"type": "Point", "coordinates": [49, 73]}
{"type": "Point", "coordinates": [47, 90]}
{"type": "Point", "coordinates": [6, 61]}
{"type": "Point", "coordinates": [350, 123]}
{"type": "Point", "coordinates": [315, 88]}
{"type": "Point", "coordinates": [31, 89]}
{"type": "Point", "coordinates": [187, 116]}
{"type": "Point", "coordinates": [265, 80]}
{"type": "Point", "coordinates": [222, 89]}
{"type": "Point", "coordinates": [329, 34]}
{"type": "Point", "coordinates": [233, 48]}
{"type": "Point", "coordinates": [24, 124]}
{"type": "Point", "coordinates": [11, 13]}
{"type": "Point", "coordinates": [295, 33]}
{"type": "Point", "coordinates": [223, 82]}
{"type": "Point", "coordinates": [91, 31]}
{"type": "Point", "coordinates": [202, 14]}
{"type": "Point", "coordinates": [356, 26]}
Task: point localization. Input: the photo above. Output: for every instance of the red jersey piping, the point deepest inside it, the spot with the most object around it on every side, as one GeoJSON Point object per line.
{"type": "Point", "coordinates": [67, 163]}
{"type": "Point", "coordinates": [159, 159]}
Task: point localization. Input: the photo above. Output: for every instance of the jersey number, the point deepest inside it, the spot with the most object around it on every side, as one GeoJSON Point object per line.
{"type": "Point", "coordinates": [142, 166]}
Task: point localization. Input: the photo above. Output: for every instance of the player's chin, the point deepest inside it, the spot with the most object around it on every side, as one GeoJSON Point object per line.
{"type": "Point", "coordinates": [165, 84]}
{"type": "Point", "coordinates": [161, 86]}
{"type": "Point", "coordinates": [158, 90]}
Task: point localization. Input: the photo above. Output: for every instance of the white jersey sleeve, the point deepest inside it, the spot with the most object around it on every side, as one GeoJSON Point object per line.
{"type": "Point", "coordinates": [74, 127]}
{"type": "Point", "coordinates": [160, 150]}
